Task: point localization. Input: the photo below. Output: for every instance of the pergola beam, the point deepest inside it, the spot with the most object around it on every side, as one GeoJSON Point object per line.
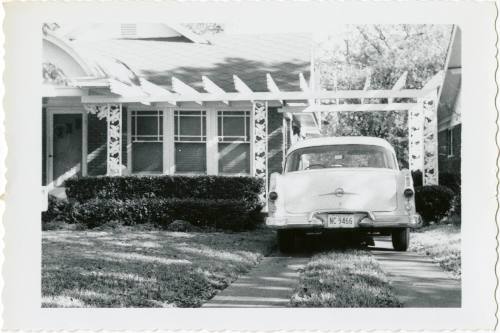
{"type": "Point", "coordinates": [271, 85]}
{"type": "Point", "coordinates": [435, 81]}
{"type": "Point", "coordinates": [180, 87]}
{"type": "Point", "coordinates": [304, 86]}
{"type": "Point", "coordinates": [212, 88]}
{"type": "Point", "coordinates": [194, 96]}
{"type": "Point", "coordinates": [400, 84]}
{"type": "Point", "coordinates": [153, 89]}
{"type": "Point", "coordinates": [241, 86]}
{"type": "Point", "coordinates": [359, 107]}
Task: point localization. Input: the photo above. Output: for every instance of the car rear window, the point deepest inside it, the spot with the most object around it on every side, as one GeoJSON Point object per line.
{"type": "Point", "coordinates": [340, 156]}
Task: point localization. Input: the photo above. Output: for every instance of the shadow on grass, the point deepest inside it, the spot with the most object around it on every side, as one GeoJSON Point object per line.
{"type": "Point", "coordinates": [144, 269]}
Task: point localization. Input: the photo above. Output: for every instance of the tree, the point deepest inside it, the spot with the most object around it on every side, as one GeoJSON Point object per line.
{"type": "Point", "coordinates": [205, 28]}
{"type": "Point", "coordinates": [384, 52]}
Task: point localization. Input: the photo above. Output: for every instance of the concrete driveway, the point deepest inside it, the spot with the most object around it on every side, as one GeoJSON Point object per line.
{"type": "Point", "coordinates": [417, 281]}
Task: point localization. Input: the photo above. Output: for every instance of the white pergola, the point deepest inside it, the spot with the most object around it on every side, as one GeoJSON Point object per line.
{"type": "Point", "coordinates": [422, 109]}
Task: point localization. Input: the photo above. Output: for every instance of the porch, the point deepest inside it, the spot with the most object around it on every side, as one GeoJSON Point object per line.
{"type": "Point", "coordinates": [214, 133]}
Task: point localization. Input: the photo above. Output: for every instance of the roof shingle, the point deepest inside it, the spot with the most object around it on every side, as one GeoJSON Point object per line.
{"type": "Point", "coordinates": [249, 57]}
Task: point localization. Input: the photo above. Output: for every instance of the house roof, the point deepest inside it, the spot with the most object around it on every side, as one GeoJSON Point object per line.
{"type": "Point", "coordinates": [453, 79]}
{"type": "Point", "coordinates": [250, 57]}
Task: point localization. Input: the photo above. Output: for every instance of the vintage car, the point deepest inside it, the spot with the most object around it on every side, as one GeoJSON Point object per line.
{"type": "Point", "coordinates": [342, 184]}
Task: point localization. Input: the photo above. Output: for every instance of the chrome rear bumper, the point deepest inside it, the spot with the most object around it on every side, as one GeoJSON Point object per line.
{"type": "Point", "coordinates": [369, 220]}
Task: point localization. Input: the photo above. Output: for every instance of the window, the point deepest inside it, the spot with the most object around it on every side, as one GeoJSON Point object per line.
{"type": "Point", "coordinates": [340, 156]}
{"type": "Point", "coordinates": [450, 143]}
{"type": "Point", "coordinates": [147, 141]}
{"type": "Point", "coordinates": [233, 128]}
{"type": "Point", "coordinates": [190, 137]}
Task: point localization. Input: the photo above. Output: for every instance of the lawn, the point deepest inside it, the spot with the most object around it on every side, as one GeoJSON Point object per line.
{"type": "Point", "coordinates": [442, 243]}
{"type": "Point", "coordinates": [344, 278]}
{"type": "Point", "coordinates": [127, 267]}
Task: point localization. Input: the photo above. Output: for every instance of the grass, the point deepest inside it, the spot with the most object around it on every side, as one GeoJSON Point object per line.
{"type": "Point", "coordinates": [349, 278]}
{"type": "Point", "coordinates": [127, 267]}
{"type": "Point", "coordinates": [442, 243]}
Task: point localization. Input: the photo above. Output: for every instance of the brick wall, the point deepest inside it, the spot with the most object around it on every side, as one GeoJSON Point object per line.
{"type": "Point", "coordinates": [275, 141]}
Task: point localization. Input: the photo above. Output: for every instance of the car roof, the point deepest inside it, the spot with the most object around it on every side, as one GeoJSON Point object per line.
{"type": "Point", "coordinates": [341, 140]}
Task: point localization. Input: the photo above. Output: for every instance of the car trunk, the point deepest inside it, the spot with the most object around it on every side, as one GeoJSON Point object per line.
{"type": "Point", "coordinates": [364, 189]}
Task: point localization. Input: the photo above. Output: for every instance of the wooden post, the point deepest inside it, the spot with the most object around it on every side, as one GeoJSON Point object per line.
{"type": "Point", "coordinates": [113, 115]}
{"type": "Point", "coordinates": [416, 137]}
{"type": "Point", "coordinates": [259, 114]}
{"type": "Point", "coordinates": [114, 155]}
{"type": "Point", "coordinates": [430, 136]}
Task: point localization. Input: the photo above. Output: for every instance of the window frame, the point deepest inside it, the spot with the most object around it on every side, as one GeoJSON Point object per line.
{"type": "Point", "coordinates": [203, 138]}
{"type": "Point", "coordinates": [248, 135]}
{"type": "Point", "coordinates": [211, 134]}
{"type": "Point", "coordinates": [134, 111]}
{"type": "Point", "coordinates": [449, 150]}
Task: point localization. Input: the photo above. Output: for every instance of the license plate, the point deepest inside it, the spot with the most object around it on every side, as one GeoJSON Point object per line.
{"type": "Point", "coordinates": [340, 221]}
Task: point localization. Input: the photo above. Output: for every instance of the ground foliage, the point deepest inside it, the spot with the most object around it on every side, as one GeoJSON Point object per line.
{"type": "Point", "coordinates": [349, 278]}
{"type": "Point", "coordinates": [383, 52]}
{"type": "Point", "coordinates": [441, 242]}
{"type": "Point", "coordinates": [129, 267]}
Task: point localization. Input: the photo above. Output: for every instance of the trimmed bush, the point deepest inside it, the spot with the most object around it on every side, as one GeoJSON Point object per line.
{"type": "Point", "coordinates": [452, 181]}
{"type": "Point", "coordinates": [246, 189]}
{"type": "Point", "coordinates": [57, 210]}
{"type": "Point", "coordinates": [433, 202]}
{"type": "Point", "coordinates": [221, 214]}
{"type": "Point", "coordinates": [417, 178]}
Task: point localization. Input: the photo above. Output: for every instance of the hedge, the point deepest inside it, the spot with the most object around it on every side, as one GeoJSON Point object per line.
{"type": "Point", "coordinates": [433, 202]}
{"type": "Point", "coordinates": [206, 201]}
{"type": "Point", "coordinates": [220, 214]}
{"type": "Point", "coordinates": [246, 189]}
{"type": "Point", "coordinates": [450, 180]}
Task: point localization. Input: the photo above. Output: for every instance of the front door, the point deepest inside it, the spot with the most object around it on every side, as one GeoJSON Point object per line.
{"type": "Point", "coordinates": [67, 146]}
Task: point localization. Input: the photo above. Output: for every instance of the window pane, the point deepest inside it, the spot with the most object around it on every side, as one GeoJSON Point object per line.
{"type": "Point", "coordinates": [234, 126]}
{"type": "Point", "coordinates": [190, 126]}
{"type": "Point", "coordinates": [147, 157]}
{"type": "Point", "coordinates": [190, 157]}
{"type": "Point", "coordinates": [147, 125]}
{"type": "Point", "coordinates": [234, 158]}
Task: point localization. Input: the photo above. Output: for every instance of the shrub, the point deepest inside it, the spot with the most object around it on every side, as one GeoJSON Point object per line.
{"type": "Point", "coordinates": [433, 202]}
{"type": "Point", "coordinates": [56, 211]}
{"type": "Point", "coordinates": [124, 188]}
{"type": "Point", "coordinates": [221, 214]}
{"type": "Point", "coordinates": [451, 180]}
{"type": "Point", "coordinates": [417, 178]}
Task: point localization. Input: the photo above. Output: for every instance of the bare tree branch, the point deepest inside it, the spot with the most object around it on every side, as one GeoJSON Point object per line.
{"type": "Point", "coordinates": [365, 36]}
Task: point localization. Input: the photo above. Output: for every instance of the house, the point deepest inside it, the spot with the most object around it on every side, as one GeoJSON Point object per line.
{"type": "Point", "coordinates": [154, 98]}
{"type": "Point", "coordinates": [151, 99]}
{"type": "Point", "coordinates": [449, 109]}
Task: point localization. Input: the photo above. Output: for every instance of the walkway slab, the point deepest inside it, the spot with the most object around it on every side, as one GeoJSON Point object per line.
{"type": "Point", "coordinates": [417, 281]}
{"type": "Point", "coordinates": [269, 284]}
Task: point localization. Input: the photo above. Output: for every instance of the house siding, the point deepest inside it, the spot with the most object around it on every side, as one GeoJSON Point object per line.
{"type": "Point", "coordinates": [275, 141]}
{"type": "Point", "coordinates": [124, 136]}
{"type": "Point", "coordinates": [44, 146]}
{"type": "Point", "coordinates": [447, 163]}
{"type": "Point", "coordinates": [97, 150]}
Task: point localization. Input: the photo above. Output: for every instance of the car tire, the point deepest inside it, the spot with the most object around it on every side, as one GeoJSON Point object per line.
{"type": "Point", "coordinates": [401, 239]}
{"type": "Point", "coordinates": [286, 240]}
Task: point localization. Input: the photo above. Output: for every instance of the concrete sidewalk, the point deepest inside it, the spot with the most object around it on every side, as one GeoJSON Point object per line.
{"type": "Point", "coordinates": [269, 284]}
{"type": "Point", "coordinates": [417, 281]}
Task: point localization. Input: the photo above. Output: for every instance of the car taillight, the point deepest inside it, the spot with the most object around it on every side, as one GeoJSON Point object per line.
{"type": "Point", "coordinates": [273, 196]}
{"type": "Point", "coordinates": [408, 193]}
